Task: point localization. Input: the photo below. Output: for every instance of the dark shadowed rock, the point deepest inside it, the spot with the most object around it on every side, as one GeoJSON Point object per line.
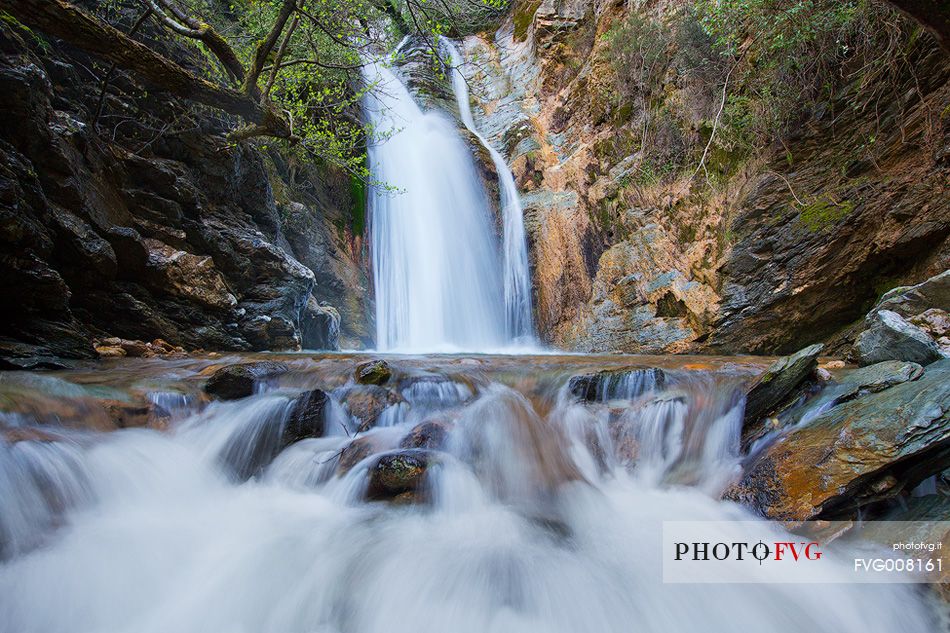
{"type": "Point", "coordinates": [308, 418]}
{"type": "Point", "coordinates": [431, 434]}
{"type": "Point", "coordinates": [374, 372]}
{"type": "Point", "coordinates": [890, 337]}
{"type": "Point", "coordinates": [771, 388]}
{"type": "Point", "coordinates": [319, 326]}
{"type": "Point", "coordinates": [399, 475]}
{"type": "Point", "coordinates": [863, 451]}
{"type": "Point", "coordinates": [248, 453]}
{"type": "Point", "coordinates": [239, 381]}
{"type": "Point", "coordinates": [616, 383]}
{"type": "Point", "coordinates": [909, 301]}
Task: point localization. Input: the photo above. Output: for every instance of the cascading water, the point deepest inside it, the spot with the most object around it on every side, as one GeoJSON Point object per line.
{"type": "Point", "coordinates": [516, 272]}
{"type": "Point", "coordinates": [540, 511]}
{"type": "Point", "coordinates": [442, 282]}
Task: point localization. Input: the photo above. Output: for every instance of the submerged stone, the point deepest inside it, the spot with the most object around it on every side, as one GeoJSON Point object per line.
{"type": "Point", "coordinates": [308, 418]}
{"type": "Point", "coordinates": [239, 381]}
{"type": "Point", "coordinates": [616, 384]}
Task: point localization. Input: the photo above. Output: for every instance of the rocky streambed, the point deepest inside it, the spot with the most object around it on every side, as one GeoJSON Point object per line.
{"type": "Point", "coordinates": [492, 477]}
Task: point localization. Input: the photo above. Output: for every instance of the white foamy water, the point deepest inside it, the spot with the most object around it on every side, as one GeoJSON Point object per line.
{"type": "Point", "coordinates": [538, 520]}
{"type": "Point", "coordinates": [442, 281]}
{"type": "Point", "coordinates": [517, 276]}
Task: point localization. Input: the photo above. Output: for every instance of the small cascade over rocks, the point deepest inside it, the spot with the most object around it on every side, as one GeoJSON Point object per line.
{"type": "Point", "coordinates": [485, 496]}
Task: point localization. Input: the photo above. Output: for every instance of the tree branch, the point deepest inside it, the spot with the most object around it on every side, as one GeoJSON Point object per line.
{"type": "Point", "coordinates": [202, 32]}
{"type": "Point", "coordinates": [266, 45]}
{"type": "Point", "coordinates": [76, 27]}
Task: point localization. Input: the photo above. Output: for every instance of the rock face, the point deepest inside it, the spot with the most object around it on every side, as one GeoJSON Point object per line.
{"type": "Point", "coordinates": [143, 225]}
{"type": "Point", "coordinates": [862, 451]}
{"type": "Point", "coordinates": [627, 257]}
{"type": "Point", "coordinates": [239, 381]}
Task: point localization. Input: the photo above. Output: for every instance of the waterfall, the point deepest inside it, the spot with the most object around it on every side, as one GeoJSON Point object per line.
{"type": "Point", "coordinates": [515, 248]}
{"type": "Point", "coordinates": [442, 281]}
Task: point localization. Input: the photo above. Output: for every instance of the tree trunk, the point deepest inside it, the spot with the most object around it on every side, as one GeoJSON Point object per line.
{"type": "Point", "coordinates": [76, 27]}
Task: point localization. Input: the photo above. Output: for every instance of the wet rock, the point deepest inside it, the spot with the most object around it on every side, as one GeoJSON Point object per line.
{"type": "Point", "coordinates": [308, 418]}
{"type": "Point", "coordinates": [140, 414]}
{"type": "Point", "coordinates": [374, 372]}
{"type": "Point", "coordinates": [881, 376]}
{"type": "Point", "coordinates": [431, 434]}
{"type": "Point", "coordinates": [399, 476]}
{"type": "Point", "coordinates": [136, 349]}
{"type": "Point", "coordinates": [772, 387]}
{"type": "Point", "coordinates": [860, 452]}
{"type": "Point", "coordinates": [239, 381]}
{"type": "Point", "coordinates": [890, 337]}
{"type": "Point", "coordinates": [616, 383]}
{"type": "Point", "coordinates": [247, 454]}
{"type": "Point", "coordinates": [319, 326]}
{"type": "Point", "coordinates": [358, 450]}
{"type": "Point", "coordinates": [367, 402]}
{"type": "Point", "coordinates": [110, 351]}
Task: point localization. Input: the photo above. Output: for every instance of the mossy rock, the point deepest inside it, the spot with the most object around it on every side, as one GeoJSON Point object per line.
{"type": "Point", "coordinates": [374, 372]}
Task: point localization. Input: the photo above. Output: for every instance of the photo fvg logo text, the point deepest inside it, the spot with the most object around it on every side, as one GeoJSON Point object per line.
{"type": "Point", "coordinates": [818, 552]}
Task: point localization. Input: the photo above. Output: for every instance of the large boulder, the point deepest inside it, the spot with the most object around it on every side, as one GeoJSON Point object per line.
{"type": "Point", "coordinates": [891, 337]}
{"type": "Point", "coordinates": [863, 451]}
{"type": "Point", "coordinates": [240, 381]}
{"type": "Point", "coordinates": [773, 386]}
